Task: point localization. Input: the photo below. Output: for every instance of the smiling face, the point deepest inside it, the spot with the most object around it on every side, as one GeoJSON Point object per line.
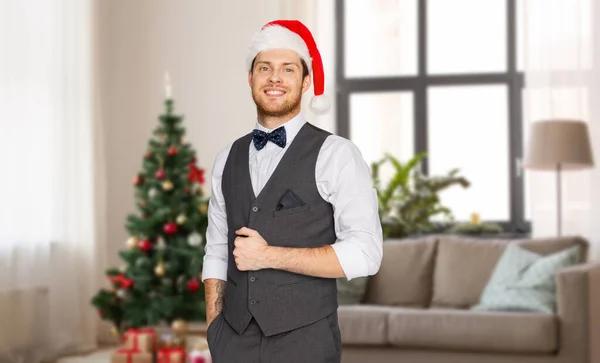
{"type": "Point", "coordinates": [277, 83]}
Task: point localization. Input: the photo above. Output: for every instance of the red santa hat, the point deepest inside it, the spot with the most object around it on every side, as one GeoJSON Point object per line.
{"type": "Point", "coordinates": [292, 34]}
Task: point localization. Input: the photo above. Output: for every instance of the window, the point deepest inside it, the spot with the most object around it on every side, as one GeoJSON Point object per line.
{"type": "Point", "coordinates": [442, 77]}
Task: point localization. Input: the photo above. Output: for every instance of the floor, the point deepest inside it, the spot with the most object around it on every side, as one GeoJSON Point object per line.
{"type": "Point", "coordinates": [101, 356]}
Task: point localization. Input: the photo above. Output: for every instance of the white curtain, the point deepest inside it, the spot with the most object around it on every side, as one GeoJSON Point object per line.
{"type": "Point", "coordinates": [52, 185]}
{"type": "Point", "coordinates": [561, 78]}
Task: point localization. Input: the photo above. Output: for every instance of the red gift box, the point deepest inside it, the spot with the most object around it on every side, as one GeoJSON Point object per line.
{"type": "Point", "coordinates": [140, 339]}
{"type": "Point", "coordinates": [171, 355]}
{"type": "Point", "coordinates": [131, 356]}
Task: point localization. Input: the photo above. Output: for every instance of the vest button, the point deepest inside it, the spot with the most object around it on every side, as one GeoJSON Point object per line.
{"type": "Point", "coordinates": [255, 209]}
{"type": "Point", "coordinates": [253, 302]}
{"type": "Point", "coordinates": [253, 279]}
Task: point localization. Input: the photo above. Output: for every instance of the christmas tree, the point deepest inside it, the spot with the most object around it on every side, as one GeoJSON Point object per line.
{"type": "Point", "coordinates": [160, 280]}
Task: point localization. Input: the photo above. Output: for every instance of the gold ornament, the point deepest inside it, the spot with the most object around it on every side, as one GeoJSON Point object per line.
{"type": "Point", "coordinates": [179, 326]}
{"type": "Point", "coordinates": [181, 219]}
{"type": "Point", "coordinates": [159, 270]}
{"type": "Point", "coordinates": [167, 185]}
{"type": "Point", "coordinates": [114, 331]}
{"type": "Point", "coordinates": [132, 242]}
{"type": "Point", "coordinates": [203, 208]}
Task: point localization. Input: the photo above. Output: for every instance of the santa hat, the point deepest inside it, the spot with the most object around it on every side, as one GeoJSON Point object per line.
{"type": "Point", "coordinates": [292, 34]}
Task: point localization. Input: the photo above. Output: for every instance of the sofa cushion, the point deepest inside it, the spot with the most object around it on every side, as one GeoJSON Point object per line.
{"type": "Point", "coordinates": [462, 269]}
{"type": "Point", "coordinates": [464, 330]}
{"type": "Point", "coordinates": [464, 265]}
{"type": "Point", "coordinates": [405, 275]}
{"type": "Point", "coordinates": [525, 280]}
{"type": "Point", "coordinates": [363, 324]}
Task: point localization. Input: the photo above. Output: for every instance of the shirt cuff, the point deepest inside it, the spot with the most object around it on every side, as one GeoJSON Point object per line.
{"type": "Point", "coordinates": [351, 259]}
{"type": "Point", "coordinates": [214, 268]}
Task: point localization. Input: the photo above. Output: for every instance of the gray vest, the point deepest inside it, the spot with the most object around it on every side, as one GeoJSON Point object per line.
{"type": "Point", "coordinates": [279, 300]}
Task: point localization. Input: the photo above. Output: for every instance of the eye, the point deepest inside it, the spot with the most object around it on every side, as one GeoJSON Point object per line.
{"type": "Point", "coordinates": [289, 70]}
{"type": "Point", "coordinates": [264, 68]}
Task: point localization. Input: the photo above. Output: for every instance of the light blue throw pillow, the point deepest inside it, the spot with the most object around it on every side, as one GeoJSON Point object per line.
{"type": "Point", "coordinates": [525, 281]}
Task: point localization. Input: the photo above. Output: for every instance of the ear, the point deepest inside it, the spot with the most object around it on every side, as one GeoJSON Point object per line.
{"type": "Point", "coordinates": [306, 82]}
{"type": "Point", "coordinates": [250, 78]}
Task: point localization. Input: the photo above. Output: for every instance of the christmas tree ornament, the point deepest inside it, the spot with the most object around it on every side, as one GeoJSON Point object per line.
{"type": "Point", "coordinates": [122, 294]}
{"type": "Point", "coordinates": [186, 189]}
{"type": "Point", "coordinates": [193, 286]}
{"type": "Point", "coordinates": [181, 219]}
{"type": "Point", "coordinates": [138, 180]}
{"type": "Point", "coordinates": [132, 242]}
{"type": "Point", "coordinates": [145, 245]}
{"type": "Point", "coordinates": [170, 228]}
{"type": "Point", "coordinates": [148, 155]}
{"type": "Point", "coordinates": [114, 331]}
{"type": "Point", "coordinates": [160, 244]}
{"type": "Point", "coordinates": [179, 326]}
{"type": "Point", "coordinates": [167, 185]}
{"type": "Point", "coordinates": [123, 268]}
{"type": "Point", "coordinates": [144, 203]}
{"type": "Point", "coordinates": [203, 208]}
{"type": "Point", "coordinates": [195, 239]}
{"type": "Point", "coordinates": [160, 174]}
{"type": "Point", "coordinates": [152, 192]}
{"type": "Point", "coordinates": [172, 151]}
{"type": "Point", "coordinates": [159, 270]}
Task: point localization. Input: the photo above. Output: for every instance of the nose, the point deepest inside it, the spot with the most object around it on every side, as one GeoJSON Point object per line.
{"type": "Point", "coordinates": [274, 77]}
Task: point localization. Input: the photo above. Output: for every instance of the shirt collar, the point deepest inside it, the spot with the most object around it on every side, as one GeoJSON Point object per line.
{"type": "Point", "coordinates": [292, 127]}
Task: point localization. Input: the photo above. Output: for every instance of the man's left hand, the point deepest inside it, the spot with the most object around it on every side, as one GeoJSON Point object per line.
{"type": "Point", "coordinates": [250, 250]}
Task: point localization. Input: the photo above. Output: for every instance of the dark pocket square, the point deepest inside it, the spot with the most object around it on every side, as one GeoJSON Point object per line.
{"type": "Point", "coordinates": [289, 200]}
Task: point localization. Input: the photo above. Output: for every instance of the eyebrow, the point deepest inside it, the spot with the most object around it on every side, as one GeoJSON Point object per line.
{"type": "Point", "coordinates": [285, 64]}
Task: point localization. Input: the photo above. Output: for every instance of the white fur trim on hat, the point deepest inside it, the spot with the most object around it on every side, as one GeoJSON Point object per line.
{"type": "Point", "coordinates": [278, 37]}
{"type": "Point", "coordinates": [320, 105]}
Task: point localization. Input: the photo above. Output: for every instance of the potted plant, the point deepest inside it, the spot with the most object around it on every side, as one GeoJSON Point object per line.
{"type": "Point", "coordinates": [410, 200]}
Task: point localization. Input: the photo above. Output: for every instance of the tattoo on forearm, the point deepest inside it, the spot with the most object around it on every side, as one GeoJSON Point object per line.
{"type": "Point", "coordinates": [220, 296]}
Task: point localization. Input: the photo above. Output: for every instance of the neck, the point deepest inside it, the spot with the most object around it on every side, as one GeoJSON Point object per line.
{"type": "Point", "coordinates": [273, 122]}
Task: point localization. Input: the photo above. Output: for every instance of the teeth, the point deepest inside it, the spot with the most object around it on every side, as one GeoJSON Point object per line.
{"type": "Point", "coordinates": [274, 92]}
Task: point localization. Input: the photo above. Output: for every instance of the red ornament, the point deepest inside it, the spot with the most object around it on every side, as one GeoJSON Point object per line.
{"type": "Point", "coordinates": [148, 155]}
{"type": "Point", "coordinates": [196, 174]}
{"type": "Point", "coordinates": [186, 189]}
{"type": "Point", "coordinates": [193, 285]}
{"type": "Point", "coordinates": [122, 280]}
{"type": "Point", "coordinates": [143, 203]}
{"type": "Point", "coordinates": [138, 180]}
{"type": "Point", "coordinates": [170, 228]}
{"type": "Point", "coordinates": [145, 245]}
{"type": "Point", "coordinates": [101, 312]}
{"type": "Point", "coordinates": [194, 160]}
{"type": "Point", "coordinates": [172, 151]}
{"type": "Point", "coordinates": [160, 174]}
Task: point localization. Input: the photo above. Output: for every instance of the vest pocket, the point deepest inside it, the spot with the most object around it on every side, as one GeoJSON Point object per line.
{"type": "Point", "coordinates": [298, 280]}
{"type": "Point", "coordinates": [231, 281]}
{"type": "Point", "coordinates": [294, 210]}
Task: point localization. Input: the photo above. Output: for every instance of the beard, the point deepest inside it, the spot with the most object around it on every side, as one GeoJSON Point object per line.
{"type": "Point", "coordinates": [288, 107]}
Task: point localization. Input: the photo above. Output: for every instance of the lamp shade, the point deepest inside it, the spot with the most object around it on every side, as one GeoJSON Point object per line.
{"type": "Point", "coordinates": [564, 143]}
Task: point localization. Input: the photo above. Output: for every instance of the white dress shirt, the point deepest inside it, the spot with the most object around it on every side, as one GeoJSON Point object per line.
{"type": "Point", "coordinates": [343, 179]}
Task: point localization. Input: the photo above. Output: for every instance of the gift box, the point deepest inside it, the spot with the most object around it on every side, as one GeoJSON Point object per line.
{"type": "Point", "coordinates": [200, 353]}
{"type": "Point", "coordinates": [171, 355]}
{"type": "Point", "coordinates": [131, 356]}
{"type": "Point", "coordinates": [140, 339]}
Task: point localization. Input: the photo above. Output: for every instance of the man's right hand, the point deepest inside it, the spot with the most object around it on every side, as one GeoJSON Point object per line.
{"type": "Point", "coordinates": [215, 293]}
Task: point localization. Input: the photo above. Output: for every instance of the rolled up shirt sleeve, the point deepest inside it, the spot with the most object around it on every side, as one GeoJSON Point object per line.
{"type": "Point", "coordinates": [344, 180]}
{"type": "Point", "coordinates": [216, 253]}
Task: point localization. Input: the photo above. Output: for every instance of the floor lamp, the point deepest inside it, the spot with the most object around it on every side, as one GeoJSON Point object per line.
{"type": "Point", "coordinates": [559, 145]}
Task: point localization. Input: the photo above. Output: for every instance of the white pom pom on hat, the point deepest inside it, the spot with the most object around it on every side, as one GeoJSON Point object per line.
{"type": "Point", "coordinates": [292, 34]}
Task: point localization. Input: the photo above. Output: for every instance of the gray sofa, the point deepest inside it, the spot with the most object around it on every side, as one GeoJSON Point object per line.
{"type": "Point", "coordinates": [416, 308]}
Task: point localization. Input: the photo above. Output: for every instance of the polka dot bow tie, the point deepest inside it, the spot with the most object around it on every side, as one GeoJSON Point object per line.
{"type": "Point", "coordinates": [260, 138]}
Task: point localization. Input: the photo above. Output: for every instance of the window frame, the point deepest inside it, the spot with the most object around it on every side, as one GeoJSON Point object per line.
{"type": "Point", "coordinates": [419, 84]}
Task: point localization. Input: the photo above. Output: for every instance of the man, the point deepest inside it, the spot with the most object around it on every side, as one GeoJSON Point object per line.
{"type": "Point", "coordinates": [292, 209]}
